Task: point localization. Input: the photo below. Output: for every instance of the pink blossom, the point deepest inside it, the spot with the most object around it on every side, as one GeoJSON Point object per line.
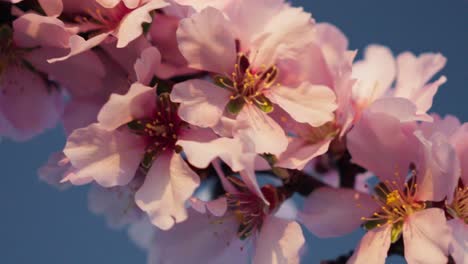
{"type": "Point", "coordinates": [379, 74]}
{"type": "Point", "coordinates": [247, 55]}
{"type": "Point", "coordinates": [111, 153]}
{"type": "Point", "coordinates": [404, 211]}
{"type": "Point", "coordinates": [335, 63]}
{"type": "Point", "coordinates": [122, 20]}
{"type": "Point", "coordinates": [248, 230]}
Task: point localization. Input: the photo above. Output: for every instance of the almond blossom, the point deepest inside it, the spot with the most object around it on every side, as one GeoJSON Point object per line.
{"type": "Point", "coordinates": [138, 130]}
{"type": "Point", "coordinates": [407, 76]}
{"type": "Point", "coordinates": [120, 20]}
{"type": "Point", "coordinates": [248, 57]}
{"type": "Point", "coordinates": [238, 226]}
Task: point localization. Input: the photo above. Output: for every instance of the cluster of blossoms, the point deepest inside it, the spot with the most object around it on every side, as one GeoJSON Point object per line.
{"type": "Point", "coordinates": [196, 121]}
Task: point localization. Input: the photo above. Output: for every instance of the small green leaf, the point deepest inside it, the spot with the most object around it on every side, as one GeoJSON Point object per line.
{"type": "Point", "coordinates": [397, 229]}
{"type": "Point", "coordinates": [136, 125]}
{"type": "Point", "coordinates": [235, 106]}
{"type": "Point", "coordinates": [263, 103]}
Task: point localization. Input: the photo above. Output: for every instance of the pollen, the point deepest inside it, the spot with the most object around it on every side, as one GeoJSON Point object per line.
{"type": "Point", "coordinates": [459, 206]}
{"type": "Point", "coordinates": [396, 202]}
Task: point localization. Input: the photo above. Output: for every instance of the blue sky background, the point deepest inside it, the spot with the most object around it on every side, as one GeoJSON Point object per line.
{"type": "Point", "coordinates": [39, 224]}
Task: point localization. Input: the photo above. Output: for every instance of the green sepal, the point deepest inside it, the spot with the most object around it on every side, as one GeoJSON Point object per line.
{"type": "Point", "coordinates": [162, 86]}
{"type": "Point", "coordinates": [147, 161]}
{"type": "Point", "coordinates": [146, 27]}
{"type": "Point", "coordinates": [263, 103]}
{"type": "Point", "coordinates": [397, 229]}
{"type": "Point", "coordinates": [6, 34]}
{"type": "Point", "coordinates": [371, 224]}
{"type": "Point", "coordinates": [235, 106]}
{"type": "Point", "coordinates": [136, 125]}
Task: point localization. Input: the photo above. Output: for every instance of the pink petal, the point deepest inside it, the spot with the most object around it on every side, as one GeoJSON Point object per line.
{"type": "Point", "coordinates": [312, 104]}
{"type": "Point", "coordinates": [325, 210]}
{"type": "Point", "coordinates": [369, 145]}
{"type": "Point", "coordinates": [216, 241]}
{"type": "Point", "coordinates": [168, 185]}
{"type": "Point", "coordinates": [109, 157]}
{"type": "Point", "coordinates": [426, 236]}
{"type": "Point", "coordinates": [400, 108]}
{"type": "Point", "coordinates": [423, 99]}
{"type": "Point", "coordinates": [108, 3]}
{"type": "Point", "coordinates": [145, 66]}
{"type": "Point", "coordinates": [121, 109]}
{"type": "Point", "coordinates": [375, 73]}
{"type": "Point", "coordinates": [459, 243]}
{"type": "Point", "coordinates": [35, 30]}
{"type": "Point", "coordinates": [300, 152]}
{"type": "Point", "coordinates": [309, 65]}
{"type": "Point", "coordinates": [116, 204]}
{"type": "Point", "coordinates": [414, 72]}
{"type": "Point", "coordinates": [207, 42]}
{"type": "Point", "coordinates": [460, 142]}
{"type": "Point", "coordinates": [448, 126]}
{"type": "Point", "coordinates": [257, 127]}
{"type": "Point", "coordinates": [86, 84]}
{"type": "Point", "coordinates": [286, 33]}
{"type": "Point", "coordinates": [78, 45]}
{"type": "Point", "coordinates": [279, 242]}
{"type": "Point", "coordinates": [439, 168]}
{"type": "Point", "coordinates": [52, 7]}
{"type": "Point", "coordinates": [130, 27]}
{"type": "Point", "coordinates": [27, 105]}
{"type": "Point", "coordinates": [73, 119]}
{"type": "Point", "coordinates": [54, 170]}
{"type": "Point", "coordinates": [201, 103]}
{"type": "Point", "coordinates": [373, 247]}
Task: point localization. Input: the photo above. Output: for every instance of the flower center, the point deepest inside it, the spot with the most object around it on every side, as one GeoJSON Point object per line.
{"type": "Point", "coordinates": [248, 85]}
{"type": "Point", "coordinates": [160, 130]}
{"type": "Point", "coordinates": [396, 203]}
{"type": "Point", "coordinates": [249, 209]}
{"type": "Point", "coordinates": [460, 203]}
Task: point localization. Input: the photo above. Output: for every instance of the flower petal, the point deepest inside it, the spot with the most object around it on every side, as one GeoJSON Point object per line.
{"type": "Point", "coordinates": [207, 42]}
{"type": "Point", "coordinates": [121, 109]}
{"type": "Point", "coordinates": [78, 45]}
{"type": "Point", "coordinates": [373, 247]}
{"type": "Point", "coordinates": [369, 145]}
{"type": "Point", "coordinates": [300, 152]}
{"type": "Point", "coordinates": [216, 241]}
{"type": "Point", "coordinates": [168, 185]}
{"type": "Point", "coordinates": [459, 243]}
{"type": "Point", "coordinates": [27, 105]}
{"type": "Point", "coordinates": [201, 103]}
{"type": "Point", "coordinates": [109, 157]}
{"type": "Point", "coordinates": [312, 104]}
{"type": "Point", "coordinates": [279, 242]}
{"type": "Point", "coordinates": [439, 168]}
{"type": "Point", "coordinates": [260, 129]}
{"type": "Point", "coordinates": [326, 208]}
{"type": "Point", "coordinates": [426, 237]}
{"type": "Point", "coordinates": [375, 73]}
{"type": "Point", "coordinates": [130, 27]}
